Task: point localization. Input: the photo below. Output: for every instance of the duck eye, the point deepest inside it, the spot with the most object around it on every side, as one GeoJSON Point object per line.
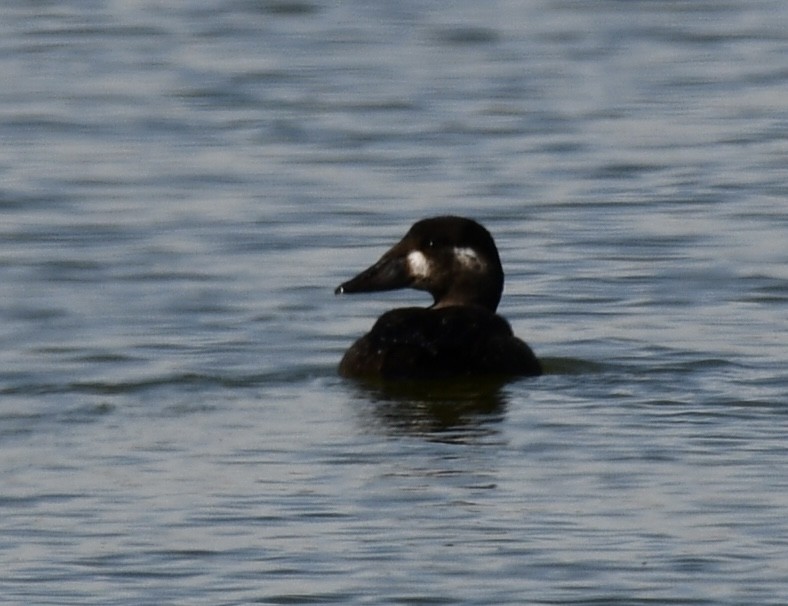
{"type": "Point", "coordinates": [434, 243]}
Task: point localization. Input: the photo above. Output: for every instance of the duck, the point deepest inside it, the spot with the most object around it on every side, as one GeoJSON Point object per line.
{"type": "Point", "coordinates": [460, 335]}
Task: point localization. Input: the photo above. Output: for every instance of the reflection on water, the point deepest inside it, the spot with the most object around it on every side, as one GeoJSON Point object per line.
{"type": "Point", "coordinates": [451, 411]}
{"type": "Point", "coordinates": [440, 410]}
{"type": "Point", "coordinates": [571, 366]}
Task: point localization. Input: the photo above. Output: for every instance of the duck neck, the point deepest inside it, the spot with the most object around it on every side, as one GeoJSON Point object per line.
{"type": "Point", "coordinates": [485, 294]}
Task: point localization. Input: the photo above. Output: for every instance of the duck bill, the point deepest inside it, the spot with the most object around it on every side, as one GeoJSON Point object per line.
{"type": "Point", "coordinates": [390, 273]}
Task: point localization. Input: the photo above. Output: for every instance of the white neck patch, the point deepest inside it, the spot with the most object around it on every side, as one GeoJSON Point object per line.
{"type": "Point", "coordinates": [468, 259]}
{"type": "Point", "coordinates": [418, 265]}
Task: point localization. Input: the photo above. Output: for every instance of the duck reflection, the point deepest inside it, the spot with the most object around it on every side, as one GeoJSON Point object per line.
{"type": "Point", "coordinates": [453, 411]}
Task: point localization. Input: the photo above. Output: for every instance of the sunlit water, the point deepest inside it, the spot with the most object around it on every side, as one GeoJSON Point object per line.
{"type": "Point", "coordinates": [184, 184]}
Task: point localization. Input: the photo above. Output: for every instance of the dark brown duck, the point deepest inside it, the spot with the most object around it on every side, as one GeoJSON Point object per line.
{"type": "Point", "coordinates": [454, 259]}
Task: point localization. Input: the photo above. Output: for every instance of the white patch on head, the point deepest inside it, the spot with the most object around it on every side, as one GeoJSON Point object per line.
{"type": "Point", "coordinates": [468, 259]}
{"type": "Point", "coordinates": [418, 265]}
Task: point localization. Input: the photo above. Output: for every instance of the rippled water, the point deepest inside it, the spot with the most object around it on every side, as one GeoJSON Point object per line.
{"type": "Point", "coordinates": [182, 188]}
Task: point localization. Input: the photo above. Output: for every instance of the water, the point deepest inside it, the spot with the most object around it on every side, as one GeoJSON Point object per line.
{"type": "Point", "coordinates": [182, 188]}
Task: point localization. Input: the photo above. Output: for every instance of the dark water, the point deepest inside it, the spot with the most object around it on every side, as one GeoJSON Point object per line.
{"type": "Point", "coordinates": [184, 184]}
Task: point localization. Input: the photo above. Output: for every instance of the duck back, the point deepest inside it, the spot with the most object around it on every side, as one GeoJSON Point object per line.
{"type": "Point", "coordinates": [437, 343]}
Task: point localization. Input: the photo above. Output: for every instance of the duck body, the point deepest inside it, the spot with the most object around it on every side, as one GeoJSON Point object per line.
{"type": "Point", "coordinates": [460, 335]}
{"type": "Point", "coordinates": [456, 341]}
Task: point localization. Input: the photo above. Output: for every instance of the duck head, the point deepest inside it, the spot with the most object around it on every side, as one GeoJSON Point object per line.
{"type": "Point", "coordinates": [452, 258]}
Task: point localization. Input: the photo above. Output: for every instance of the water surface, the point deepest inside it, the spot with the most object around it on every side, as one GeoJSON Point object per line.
{"type": "Point", "coordinates": [184, 186]}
